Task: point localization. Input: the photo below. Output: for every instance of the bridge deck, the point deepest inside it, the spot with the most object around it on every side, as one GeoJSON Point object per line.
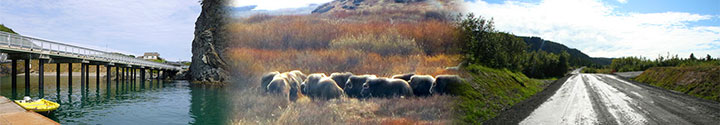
{"type": "Point", "coordinates": [23, 47]}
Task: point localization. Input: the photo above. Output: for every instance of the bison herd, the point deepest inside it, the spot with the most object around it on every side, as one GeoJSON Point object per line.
{"type": "Point", "coordinates": [294, 84]}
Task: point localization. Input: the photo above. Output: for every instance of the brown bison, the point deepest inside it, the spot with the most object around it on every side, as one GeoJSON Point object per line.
{"type": "Point", "coordinates": [354, 84]}
{"type": "Point", "coordinates": [341, 78]}
{"type": "Point", "coordinates": [327, 89]}
{"type": "Point", "coordinates": [265, 80]}
{"type": "Point", "coordinates": [295, 79]}
{"type": "Point", "coordinates": [299, 74]}
{"type": "Point", "coordinates": [421, 84]}
{"type": "Point", "coordinates": [445, 84]}
{"type": "Point", "coordinates": [386, 88]}
{"type": "Point", "coordinates": [310, 82]}
{"type": "Point", "coordinates": [405, 77]}
{"type": "Point", "coordinates": [279, 86]}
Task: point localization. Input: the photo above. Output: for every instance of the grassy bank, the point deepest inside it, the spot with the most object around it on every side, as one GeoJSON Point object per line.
{"type": "Point", "coordinates": [698, 81]}
{"type": "Point", "coordinates": [490, 91]}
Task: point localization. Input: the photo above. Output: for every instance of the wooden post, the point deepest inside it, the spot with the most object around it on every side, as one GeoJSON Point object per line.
{"type": "Point", "coordinates": [41, 77]}
{"type": "Point", "coordinates": [27, 77]}
{"type": "Point", "coordinates": [82, 77]}
{"type": "Point", "coordinates": [13, 77]}
{"type": "Point", "coordinates": [97, 78]}
{"type": "Point", "coordinates": [57, 77]}
{"type": "Point", "coordinates": [87, 77]}
{"type": "Point", "coordinates": [107, 81]}
{"type": "Point", "coordinates": [142, 78]}
{"type": "Point", "coordinates": [70, 78]}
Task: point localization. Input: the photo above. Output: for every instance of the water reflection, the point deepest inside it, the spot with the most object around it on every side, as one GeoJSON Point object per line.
{"type": "Point", "coordinates": [128, 102]}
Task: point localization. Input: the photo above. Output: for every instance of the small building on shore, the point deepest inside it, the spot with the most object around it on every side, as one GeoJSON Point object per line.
{"type": "Point", "coordinates": [150, 56]}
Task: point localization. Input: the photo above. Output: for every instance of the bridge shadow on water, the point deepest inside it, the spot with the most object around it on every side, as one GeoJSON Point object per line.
{"type": "Point", "coordinates": [128, 102]}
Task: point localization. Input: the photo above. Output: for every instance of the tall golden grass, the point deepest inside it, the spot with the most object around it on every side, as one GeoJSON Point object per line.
{"type": "Point", "coordinates": [316, 44]}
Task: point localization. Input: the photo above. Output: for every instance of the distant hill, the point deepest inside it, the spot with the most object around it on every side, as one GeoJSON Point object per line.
{"type": "Point", "coordinates": [394, 10]}
{"type": "Point", "coordinates": [577, 58]}
{"type": "Point", "coordinates": [6, 29]}
{"type": "Point", "coordinates": [246, 11]}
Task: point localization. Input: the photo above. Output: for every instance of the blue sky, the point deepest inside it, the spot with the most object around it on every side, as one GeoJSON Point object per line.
{"type": "Point", "coordinates": [600, 28]}
{"type": "Point", "coordinates": [127, 26]}
{"type": "Point", "coordinates": [613, 28]}
{"type": "Point", "coordinates": [609, 28]}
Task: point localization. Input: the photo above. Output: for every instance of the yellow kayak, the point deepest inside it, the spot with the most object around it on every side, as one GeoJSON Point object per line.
{"type": "Point", "coordinates": [41, 105]}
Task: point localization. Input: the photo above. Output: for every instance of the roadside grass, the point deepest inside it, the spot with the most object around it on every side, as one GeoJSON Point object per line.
{"type": "Point", "coordinates": [491, 91]}
{"type": "Point", "coordinates": [701, 81]}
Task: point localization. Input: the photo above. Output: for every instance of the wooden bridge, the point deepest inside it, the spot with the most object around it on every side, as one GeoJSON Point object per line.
{"type": "Point", "coordinates": [25, 48]}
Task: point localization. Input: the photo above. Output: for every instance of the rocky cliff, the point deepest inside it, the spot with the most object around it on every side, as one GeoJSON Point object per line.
{"type": "Point", "coordinates": [208, 47]}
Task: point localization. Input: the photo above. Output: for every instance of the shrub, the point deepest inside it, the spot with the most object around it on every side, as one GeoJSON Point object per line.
{"type": "Point", "coordinates": [485, 46]}
{"type": "Point", "coordinates": [387, 43]}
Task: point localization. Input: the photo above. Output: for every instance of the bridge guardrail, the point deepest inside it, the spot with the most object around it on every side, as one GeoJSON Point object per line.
{"type": "Point", "coordinates": [47, 46]}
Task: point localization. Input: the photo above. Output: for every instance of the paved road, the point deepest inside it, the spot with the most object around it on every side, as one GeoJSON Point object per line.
{"type": "Point", "coordinates": [608, 99]}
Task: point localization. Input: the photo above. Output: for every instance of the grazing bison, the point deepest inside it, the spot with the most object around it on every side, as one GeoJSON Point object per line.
{"type": "Point", "coordinates": [354, 84]}
{"type": "Point", "coordinates": [341, 78]}
{"type": "Point", "coordinates": [405, 77]}
{"type": "Point", "coordinates": [326, 89]}
{"type": "Point", "coordinates": [265, 80]}
{"type": "Point", "coordinates": [421, 84]}
{"type": "Point", "coordinates": [299, 74]}
{"type": "Point", "coordinates": [310, 82]}
{"type": "Point", "coordinates": [445, 84]}
{"type": "Point", "coordinates": [387, 88]}
{"type": "Point", "coordinates": [294, 80]}
{"type": "Point", "coordinates": [279, 86]}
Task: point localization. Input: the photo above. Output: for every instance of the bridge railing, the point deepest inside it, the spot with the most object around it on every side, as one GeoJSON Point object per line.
{"type": "Point", "coordinates": [47, 46]}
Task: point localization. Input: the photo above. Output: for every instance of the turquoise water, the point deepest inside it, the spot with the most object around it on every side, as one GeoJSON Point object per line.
{"type": "Point", "coordinates": [151, 102]}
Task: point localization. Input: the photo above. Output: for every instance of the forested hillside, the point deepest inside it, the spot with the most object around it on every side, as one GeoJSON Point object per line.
{"type": "Point", "coordinates": [577, 58]}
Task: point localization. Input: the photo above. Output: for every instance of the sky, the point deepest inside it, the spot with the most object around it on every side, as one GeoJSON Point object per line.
{"type": "Point", "coordinates": [599, 28]}
{"type": "Point", "coordinates": [276, 4]}
{"type": "Point", "coordinates": [607, 28]}
{"type": "Point", "coordinates": [126, 26]}
{"type": "Point", "coordinates": [613, 28]}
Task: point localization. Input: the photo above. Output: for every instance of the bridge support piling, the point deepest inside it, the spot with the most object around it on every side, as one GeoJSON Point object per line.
{"type": "Point", "coordinates": [70, 70]}
{"type": "Point", "coordinates": [97, 78]}
{"type": "Point", "coordinates": [142, 78]}
{"type": "Point", "coordinates": [82, 77]}
{"type": "Point", "coordinates": [41, 77]}
{"type": "Point", "coordinates": [27, 77]}
{"type": "Point", "coordinates": [87, 77]}
{"type": "Point", "coordinates": [107, 81]}
{"type": "Point", "coordinates": [57, 77]}
{"type": "Point", "coordinates": [13, 77]}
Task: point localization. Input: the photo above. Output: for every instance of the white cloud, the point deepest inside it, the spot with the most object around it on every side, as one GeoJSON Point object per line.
{"type": "Point", "coordinates": [132, 26]}
{"type": "Point", "coordinates": [276, 4]}
{"type": "Point", "coordinates": [622, 1]}
{"type": "Point", "coordinates": [598, 30]}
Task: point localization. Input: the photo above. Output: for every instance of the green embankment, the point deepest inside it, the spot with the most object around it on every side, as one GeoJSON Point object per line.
{"type": "Point", "coordinates": [490, 91]}
{"type": "Point", "coordinates": [6, 29]}
{"type": "Point", "coordinates": [698, 81]}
